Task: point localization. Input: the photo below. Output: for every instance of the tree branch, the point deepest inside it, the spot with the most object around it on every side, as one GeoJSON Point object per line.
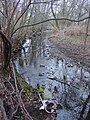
{"type": "Point", "coordinates": [47, 21]}
{"type": "Point", "coordinates": [21, 15]}
{"type": "Point", "coordinates": [25, 112]}
{"type": "Point", "coordinates": [44, 2]}
{"type": "Point", "coordinates": [14, 113]}
{"type": "Point", "coordinates": [3, 14]}
{"type": "Point", "coordinates": [12, 15]}
{"type": "Point", "coordinates": [2, 111]}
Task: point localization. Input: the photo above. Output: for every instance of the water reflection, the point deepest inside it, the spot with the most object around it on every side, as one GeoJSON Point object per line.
{"type": "Point", "coordinates": [53, 69]}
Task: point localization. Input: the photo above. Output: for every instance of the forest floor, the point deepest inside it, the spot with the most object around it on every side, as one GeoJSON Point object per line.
{"type": "Point", "coordinates": [72, 46]}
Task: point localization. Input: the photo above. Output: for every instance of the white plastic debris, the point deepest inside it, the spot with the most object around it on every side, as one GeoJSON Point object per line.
{"type": "Point", "coordinates": [43, 105]}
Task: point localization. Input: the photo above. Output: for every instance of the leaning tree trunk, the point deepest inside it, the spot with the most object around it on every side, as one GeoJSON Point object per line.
{"type": "Point", "coordinates": [5, 55]}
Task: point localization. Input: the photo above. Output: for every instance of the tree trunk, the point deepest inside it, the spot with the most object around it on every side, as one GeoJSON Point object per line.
{"type": "Point", "coordinates": [1, 55]}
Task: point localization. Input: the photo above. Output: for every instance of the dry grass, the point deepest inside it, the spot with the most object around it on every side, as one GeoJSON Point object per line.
{"type": "Point", "coordinates": [72, 34]}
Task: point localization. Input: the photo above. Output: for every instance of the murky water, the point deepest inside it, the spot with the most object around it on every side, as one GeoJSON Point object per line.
{"type": "Point", "coordinates": [53, 69]}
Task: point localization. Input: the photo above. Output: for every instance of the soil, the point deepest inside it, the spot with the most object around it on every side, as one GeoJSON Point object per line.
{"type": "Point", "coordinates": [36, 114]}
{"type": "Point", "coordinates": [72, 47]}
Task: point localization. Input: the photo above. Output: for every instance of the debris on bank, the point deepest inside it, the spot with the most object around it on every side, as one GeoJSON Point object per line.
{"type": "Point", "coordinates": [50, 105]}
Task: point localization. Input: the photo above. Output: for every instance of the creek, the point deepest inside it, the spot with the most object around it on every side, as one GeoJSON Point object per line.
{"type": "Point", "coordinates": [50, 68]}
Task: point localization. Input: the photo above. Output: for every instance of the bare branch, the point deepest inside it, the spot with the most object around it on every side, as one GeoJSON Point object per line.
{"type": "Point", "coordinates": [14, 113]}
{"type": "Point", "coordinates": [2, 110]}
{"type": "Point", "coordinates": [44, 2]}
{"type": "Point", "coordinates": [11, 85]}
{"type": "Point", "coordinates": [6, 7]}
{"type": "Point", "coordinates": [21, 15]}
{"type": "Point", "coordinates": [47, 21]}
{"type": "Point", "coordinates": [12, 15]}
{"type": "Point", "coordinates": [3, 14]}
{"type": "Point", "coordinates": [19, 96]}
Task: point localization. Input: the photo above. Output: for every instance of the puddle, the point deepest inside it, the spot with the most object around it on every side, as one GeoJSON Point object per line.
{"type": "Point", "coordinates": [52, 69]}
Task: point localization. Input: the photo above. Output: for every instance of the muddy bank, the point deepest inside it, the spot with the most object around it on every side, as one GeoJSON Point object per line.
{"type": "Point", "coordinates": [73, 51]}
{"type": "Point", "coordinates": [37, 114]}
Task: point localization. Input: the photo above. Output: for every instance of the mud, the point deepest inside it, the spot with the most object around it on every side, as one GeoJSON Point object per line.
{"type": "Point", "coordinates": [74, 50]}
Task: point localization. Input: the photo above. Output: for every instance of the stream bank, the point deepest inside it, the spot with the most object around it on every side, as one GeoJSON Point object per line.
{"type": "Point", "coordinates": [72, 47]}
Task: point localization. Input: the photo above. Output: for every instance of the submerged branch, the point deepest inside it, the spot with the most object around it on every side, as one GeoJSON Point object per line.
{"type": "Point", "coordinates": [65, 83]}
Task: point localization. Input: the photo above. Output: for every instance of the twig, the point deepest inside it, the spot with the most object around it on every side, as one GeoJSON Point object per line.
{"type": "Point", "coordinates": [3, 14]}
{"type": "Point", "coordinates": [13, 113]}
{"type": "Point", "coordinates": [40, 97]}
{"type": "Point", "coordinates": [3, 110]}
{"type": "Point", "coordinates": [11, 86]}
{"type": "Point", "coordinates": [20, 16]}
{"type": "Point", "coordinates": [19, 96]}
{"type": "Point", "coordinates": [12, 16]}
{"type": "Point", "coordinates": [27, 114]}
